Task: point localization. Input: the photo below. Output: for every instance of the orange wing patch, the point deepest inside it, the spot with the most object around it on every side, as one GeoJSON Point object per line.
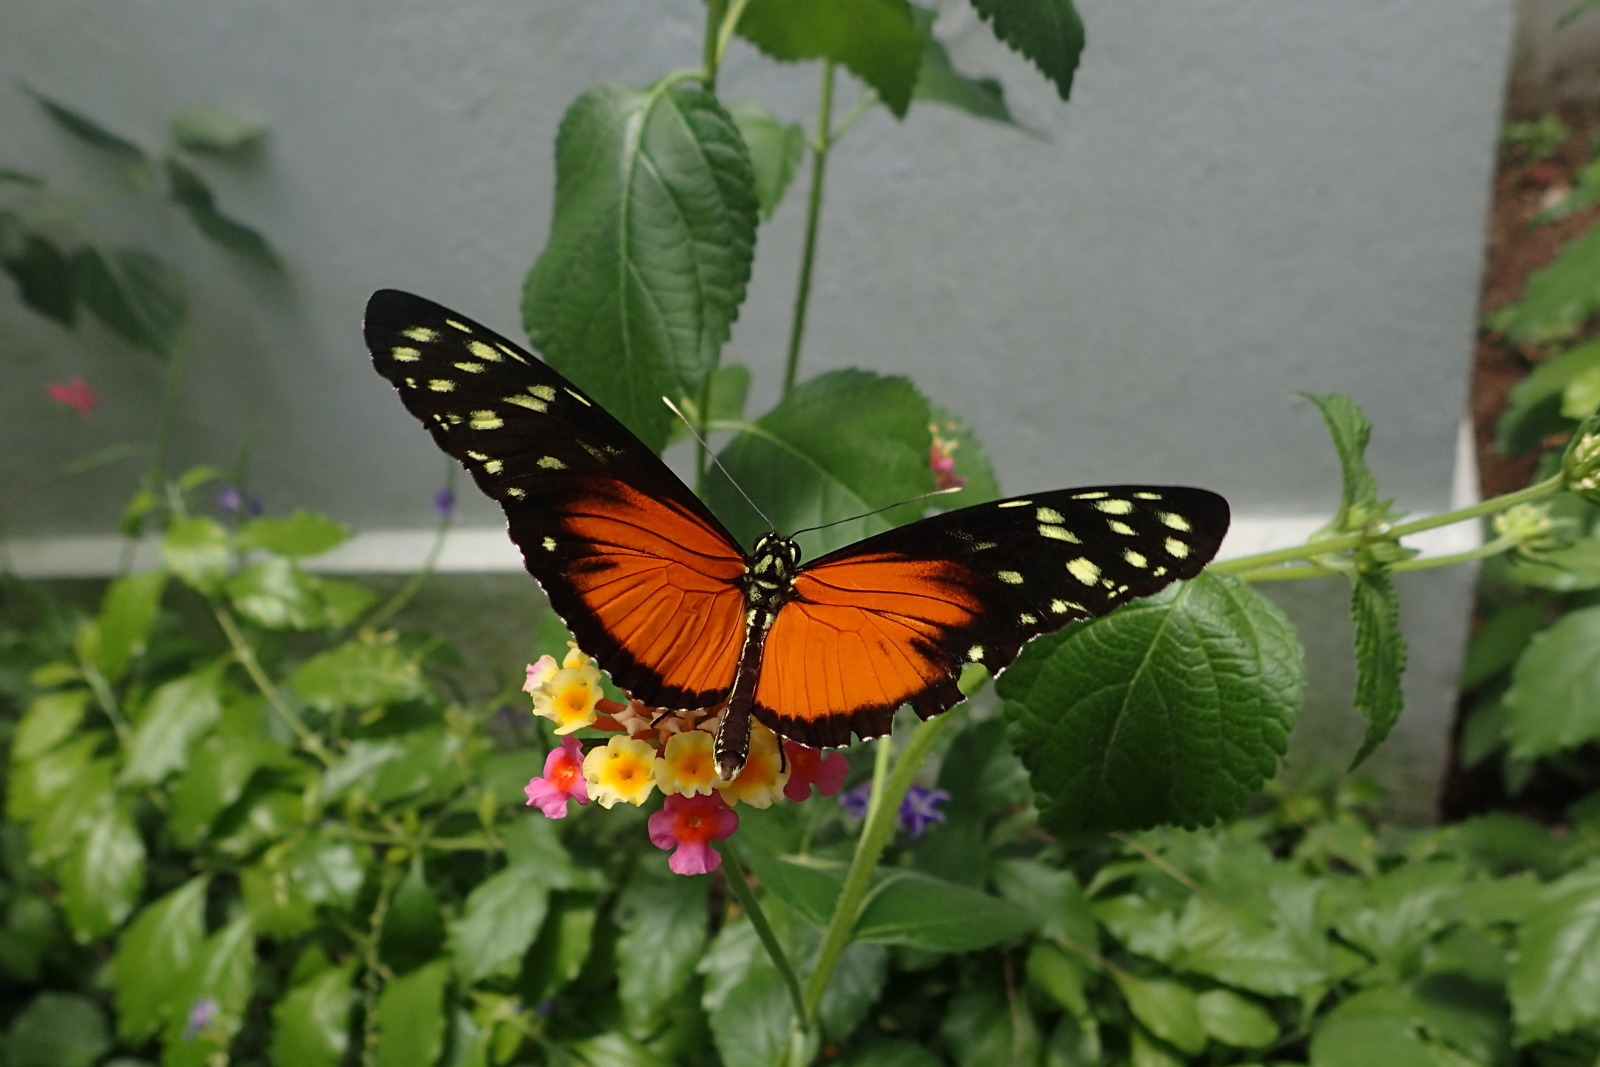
{"type": "Point", "coordinates": [662, 590]}
{"type": "Point", "coordinates": [860, 638]}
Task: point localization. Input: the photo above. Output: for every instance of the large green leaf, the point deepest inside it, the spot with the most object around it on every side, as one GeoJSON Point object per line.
{"type": "Point", "coordinates": [86, 129]}
{"type": "Point", "coordinates": [917, 911]}
{"type": "Point", "coordinates": [293, 878]}
{"type": "Point", "coordinates": [663, 935]}
{"type": "Point", "coordinates": [498, 922]}
{"type": "Point", "coordinates": [195, 548]}
{"type": "Point", "coordinates": [152, 956]}
{"type": "Point", "coordinates": [215, 778]}
{"type": "Point", "coordinates": [302, 533]}
{"type": "Point", "coordinates": [220, 978]}
{"type": "Point", "coordinates": [137, 296]}
{"type": "Point", "coordinates": [939, 82]}
{"type": "Point", "coordinates": [649, 252]}
{"type": "Point", "coordinates": [879, 41]}
{"type": "Point", "coordinates": [1351, 430]}
{"type": "Point", "coordinates": [1173, 709]}
{"type": "Point", "coordinates": [127, 613]}
{"type": "Point", "coordinates": [176, 714]}
{"type": "Point", "coordinates": [1048, 33]}
{"type": "Point", "coordinates": [411, 1018]}
{"type": "Point", "coordinates": [1558, 299]}
{"type": "Point", "coordinates": [361, 673]}
{"type": "Point", "coordinates": [413, 931]}
{"type": "Point", "coordinates": [1555, 975]}
{"type": "Point", "coordinates": [1167, 1009]}
{"type": "Point", "coordinates": [190, 192]}
{"type": "Point", "coordinates": [1380, 657]}
{"type": "Point", "coordinates": [1554, 700]}
{"type": "Point", "coordinates": [311, 1024]}
{"type": "Point", "coordinates": [45, 277]}
{"type": "Point", "coordinates": [49, 720]}
{"type": "Point", "coordinates": [1535, 405]}
{"type": "Point", "coordinates": [837, 446]}
{"type": "Point", "coordinates": [104, 873]}
{"type": "Point", "coordinates": [57, 1030]}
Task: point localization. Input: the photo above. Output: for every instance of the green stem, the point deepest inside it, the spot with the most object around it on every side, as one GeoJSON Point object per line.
{"type": "Point", "coordinates": [710, 55]}
{"type": "Point", "coordinates": [733, 873]}
{"type": "Point", "coordinates": [819, 168]}
{"type": "Point", "coordinates": [889, 788]}
{"type": "Point", "coordinates": [402, 596]}
{"type": "Point", "coordinates": [107, 698]}
{"type": "Point", "coordinates": [1312, 550]}
{"type": "Point", "coordinates": [247, 659]}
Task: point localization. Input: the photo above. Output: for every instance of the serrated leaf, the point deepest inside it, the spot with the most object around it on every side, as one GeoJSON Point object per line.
{"type": "Point", "coordinates": [86, 129]}
{"type": "Point", "coordinates": [938, 82]}
{"type": "Point", "coordinates": [1557, 299]}
{"type": "Point", "coordinates": [776, 149]}
{"type": "Point", "coordinates": [190, 192]}
{"type": "Point", "coordinates": [837, 446]}
{"type": "Point", "coordinates": [1048, 33]}
{"type": "Point", "coordinates": [127, 613]}
{"type": "Point", "coordinates": [1555, 973]}
{"type": "Point", "coordinates": [663, 935]}
{"type": "Point", "coordinates": [176, 714]}
{"type": "Point", "coordinates": [918, 911]}
{"type": "Point", "coordinates": [45, 278]}
{"type": "Point", "coordinates": [215, 130]}
{"type": "Point", "coordinates": [57, 1030]}
{"type": "Point", "coordinates": [1554, 700]}
{"type": "Point", "coordinates": [49, 720]}
{"type": "Point", "coordinates": [498, 923]}
{"type": "Point", "coordinates": [649, 252]}
{"type": "Point", "coordinates": [311, 1024]}
{"type": "Point", "coordinates": [137, 296]}
{"type": "Point", "coordinates": [1173, 709]}
{"type": "Point", "coordinates": [302, 533]}
{"type": "Point", "coordinates": [1351, 431]}
{"type": "Point", "coordinates": [358, 674]}
{"type": "Point", "coordinates": [104, 873]}
{"type": "Point", "coordinates": [151, 958]}
{"type": "Point", "coordinates": [879, 41]}
{"type": "Point", "coordinates": [1380, 658]}
{"type": "Point", "coordinates": [411, 1018]}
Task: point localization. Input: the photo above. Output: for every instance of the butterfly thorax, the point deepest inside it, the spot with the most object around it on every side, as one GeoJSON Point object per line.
{"type": "Point", "coordinates": [769, 578]}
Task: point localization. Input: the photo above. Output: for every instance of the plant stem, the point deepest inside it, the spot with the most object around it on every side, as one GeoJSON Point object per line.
{"type": "Point", "coordinates": [402, 596]}
{"type": "Point", "coordinates": [888, 790]}
{"type": "Point", "coordinates": [733, 873]}
{"type": "Point", "coordinates": [819, 168]}
{"type": "Point", "coordinates": [247, 659]}
{"type": "Point", "coordinates": [710, 55]}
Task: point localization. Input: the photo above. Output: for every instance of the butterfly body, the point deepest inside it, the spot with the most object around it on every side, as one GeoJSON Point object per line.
{"type": "Point", "coordinates": [655, 589]}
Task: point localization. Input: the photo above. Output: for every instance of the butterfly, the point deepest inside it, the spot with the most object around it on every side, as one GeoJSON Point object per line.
{"type": "Point", "coordinates": [669, 604]}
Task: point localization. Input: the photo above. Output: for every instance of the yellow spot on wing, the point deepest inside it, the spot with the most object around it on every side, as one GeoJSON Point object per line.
{"type": "Point", "coordinates": [513, 491]}
{"type": "Point", "coordinates": [1048, 515]}
{"type": "Point", "coordinates": [1135, 558]}
{"type": "Point", "coordinates": [470, 367]}
{"type": "Point", "coordinates": [420, 333]}
{"type": "Point", "coordinates": [405, 354]}
{"type": "Point", "coordinates": [454, 325]}
{"type": "Point", "coordinates": [1115, 507]}
{"type": "Point", "coordinates": [483, 351]}
{"type": "Point", "coordinates": [531, 403]}
{"type": "Point", "coordinates": [441, 385]}
{"type": "Point", "coordinates": [1176, 548]}
{"type": "Point", "coordinates": [1010, 577]}
{"type": "Point", "coordinates": [494, 466]}
{"type": "Point", "coordinates": [1013, 503]}
{"type": "Point", "coordinates": [551, 463]}
{"type": "Point", "coordinates": [1059, 533]}
{"type": "Point", "coordinates": [1084, 571]}
{"type": "Point", "coordinates": [580, 398]}
{"type": "Point", "coordinates": [549, 544]}
{"type": "Point", "coordinates": [1120, 527]}
{"type": "Point", "coordinates": [975, 653]}
{"type": "Point", "coordinates": [1027, 619]}
{"type": "Point", "coordinates": [486, 420]}
{"type": "Point", "coordinates": [1176, 521]}
{"type": "Point", "coordinates": [546, 393]}
{"type": "Point", "coordinates": [1098, 494]}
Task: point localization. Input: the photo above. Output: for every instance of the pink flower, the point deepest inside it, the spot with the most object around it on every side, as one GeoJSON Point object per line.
{"type": "Point", "coordinates": [76, 394]}
{"type": "Point", "coordinates": [562, 781]}
{"type": "Point", "coordinates": [812, 767]}
{"type": "Point", "coordinates": [689, 825]}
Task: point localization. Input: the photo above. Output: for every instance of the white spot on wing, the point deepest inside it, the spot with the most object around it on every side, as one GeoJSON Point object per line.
{"type": "Point", "coordinates": [975, 653]}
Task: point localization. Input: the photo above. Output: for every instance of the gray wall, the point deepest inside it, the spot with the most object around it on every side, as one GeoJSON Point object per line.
{"type": "Point", "coordinates": [1245, 198]}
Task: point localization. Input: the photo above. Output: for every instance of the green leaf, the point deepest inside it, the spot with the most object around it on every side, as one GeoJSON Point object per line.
{"type": "Point", "coordinates": [1058, 976]}
{"type": "Point", "coordinates": [278, 594]}
{"type": "Point", "coordinates": [44, 276]}
{"type": "Point", "coordinates": [498, 923]}
{"type": "Point", "coordinates": [359, 674]}
{"type": "Point", "coordinates": [564, 944]}
{"type": "Point", "coordinates": [216, 131]}
{"type": "Point", "coordinates": [293, 878]}
{"type": "Point", "coordinates": [411, 1018]}
{"type": "Point", "coordinates": [982, 1027]}
{"type": "Point", "coordinates": [215, 779]}
{"type": "Point", "coordinates": [837, 446]}
{"type": "Point", "coordinates": [1048, 33]}
{"type": "Point", "coordinates": [152, 956]}
{"type": "Point", "coordinates": [808, 884]}
{"type": "Point", "coordinates": [58, 1030]}
{"type": "Point", "coordinates": [190, 192]}
{"type": "Point", "coordinates": [887, 1052]}
{"type": "Point", "coordinates": [1364, 1040]}
{"type": "Point", "coordinates": [63, 772]}
{"type": "Point", "coordinates": [1166, 1008]}
{"type": "Point", "coordinates": [917, 911]}
{"type": "Point", "coordinates": [195, 548]}
{"type": "Point", "coordinates": [311, 1024]}
{"type": "Point", "coordinates": [1555, 973]}
{"type": "Point", "coordinates": [879, 41]}
{"type": "Point", "coordinates": [1498, 642]}
{"type": "Point", "coordinates": [1380, 657]}
{"type": "Point", "coordinates": [776, 149]}
{"type": "Point", "coordinates": [86, 129]}
{"type": "Point", "coordinates": [1534, 405]}
{"type": "Point", "coordinates": [177, 714]}
{"type": "Point", "coordinates": [649, 252]}
{"type": "Point", "coordinates": [49, 720]}
{"type": "Point", "coordinates": [30, 937]}
{"type": "Point", "coordinates": [1173, 709]}
{"type": "Point", "coordinates": [104, 873]}
{"type": "Point", "coordinates": [1236, 1020]}
{"type": "Point", "coordinates": [137, 296]}
{"type": "Point", "coordinates": [426, 766]}
{"type": "Point", "coordinates": [1554, 700]}
{"type": "Point", "coordinates": [853, 990]}
{"type": "Point", "coordinates": [663, 936]}
{"type": "Point", "coordinates": [1558, 299]}
{"type": "Point", "coordinates": [222, 972]}
{"type": "Point", "coordinates": [1351, 431]}
{"type": "Point", "coordinates": [1471, 1016]}
{"type": "Point", "coordinates": [127, 613]}
{"type": "Point", "coordinates": [413, 931]}
{"type": "Point", "coordinates": [938, 82]}
{"type": "Point", "coordinates": [303, 533]}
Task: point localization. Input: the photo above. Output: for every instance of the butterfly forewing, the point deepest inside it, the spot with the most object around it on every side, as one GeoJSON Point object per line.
{"type": "Point", "coordinates": [892, 619]}
{"type": "Point", "coordinates": [643, 574]}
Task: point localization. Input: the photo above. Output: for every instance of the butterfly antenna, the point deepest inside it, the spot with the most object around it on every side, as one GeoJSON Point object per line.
{"type": "Point", "coordinates": [696, 435]}
{"type": "Point", "coordinates": [886, 507]}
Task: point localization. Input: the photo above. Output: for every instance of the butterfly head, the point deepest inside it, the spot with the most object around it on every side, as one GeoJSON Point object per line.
{"type": "Point", "coordinates": [772, 566]}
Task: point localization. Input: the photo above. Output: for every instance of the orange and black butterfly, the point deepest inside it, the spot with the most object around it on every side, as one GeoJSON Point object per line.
{"type": "Point", "coordinates": [661, 595]}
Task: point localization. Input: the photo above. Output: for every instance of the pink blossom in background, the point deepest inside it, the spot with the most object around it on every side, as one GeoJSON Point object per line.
{"type": "Point", "coordinates": [75, 394]}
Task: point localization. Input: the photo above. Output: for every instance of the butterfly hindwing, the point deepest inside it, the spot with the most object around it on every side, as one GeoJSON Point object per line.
{"type": "Point", "coordinates": [645, 577]}
{"type": "Point", "coordinates": [892, 619]}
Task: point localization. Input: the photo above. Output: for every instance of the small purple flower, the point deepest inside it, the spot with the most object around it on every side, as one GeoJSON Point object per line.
{"type": "Point", "coordinates": [200, 1015]}
{"type": "Point", "coordinates": [229, 499]}
{"type": "Point", "coordinates": [444, 501]}
{"type": "Point", "coordinates": [920, 809]}
{"type": "Point", "coordinates": [855, 800]}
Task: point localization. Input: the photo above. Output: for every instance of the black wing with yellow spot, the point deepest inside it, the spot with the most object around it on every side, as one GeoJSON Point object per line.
{"type": "Point", "coordinates": [645, 577]}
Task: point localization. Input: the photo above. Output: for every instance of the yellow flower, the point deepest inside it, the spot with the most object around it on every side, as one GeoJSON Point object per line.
{"type": "Point", "coordinates": [765, 772]}
{"type": "Point", "coordinates": [686, 766]}
{"type": "Point", "coordinates": [566, 696]}
{"type": "Point", "coordinates": [622, 770]}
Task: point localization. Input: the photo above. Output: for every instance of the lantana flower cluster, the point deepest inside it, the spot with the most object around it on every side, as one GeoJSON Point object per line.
{"type": "Point", "coordinates": [670, 751]}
